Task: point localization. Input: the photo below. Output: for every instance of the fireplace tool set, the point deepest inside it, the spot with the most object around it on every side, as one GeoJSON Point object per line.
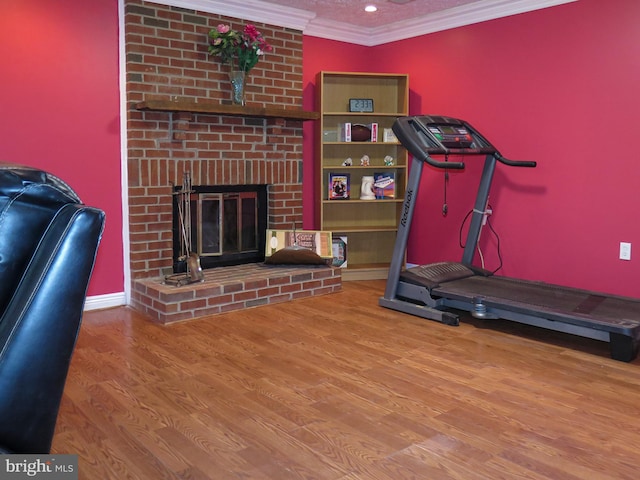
{"type": "Point", "coordinates": [191, 259]}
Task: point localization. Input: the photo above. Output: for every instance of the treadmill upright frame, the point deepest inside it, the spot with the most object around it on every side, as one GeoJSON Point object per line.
{"type": "Point", "coordinates": [426, 295]}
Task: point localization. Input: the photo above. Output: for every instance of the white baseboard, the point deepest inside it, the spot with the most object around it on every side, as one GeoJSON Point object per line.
{"type": "Point", "coordinates": [110, 300]}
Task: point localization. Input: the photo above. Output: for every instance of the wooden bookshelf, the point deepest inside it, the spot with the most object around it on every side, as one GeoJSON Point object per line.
{"type": "Point", "coordinates": [370, 226]}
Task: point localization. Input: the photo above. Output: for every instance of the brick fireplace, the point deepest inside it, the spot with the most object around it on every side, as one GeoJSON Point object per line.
{"type": "Point", "coordinates": [167, 59]}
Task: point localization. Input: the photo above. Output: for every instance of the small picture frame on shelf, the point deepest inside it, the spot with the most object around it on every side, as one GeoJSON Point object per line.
{"type": "Point", "coordinates": [389, 136]}
{"type": "Point", "coordinates": [339, 186]}
{"type": "Point", "coordinates": [384, 185]}
{"type": "Point", "coordinates": [339, 250]}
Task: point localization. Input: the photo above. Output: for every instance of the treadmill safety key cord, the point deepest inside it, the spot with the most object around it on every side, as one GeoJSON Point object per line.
{"type": "Point", "coordinates": [445, 207]}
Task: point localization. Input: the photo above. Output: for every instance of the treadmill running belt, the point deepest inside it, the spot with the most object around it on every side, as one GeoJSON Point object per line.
{"type": "Point", "coordinates": [538, 296]}
{"type": "Point", "coordinates": [590, 304]}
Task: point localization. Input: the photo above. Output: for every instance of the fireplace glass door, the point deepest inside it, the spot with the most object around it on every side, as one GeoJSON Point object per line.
{"type": "Point", "coordinates": [228, 223]}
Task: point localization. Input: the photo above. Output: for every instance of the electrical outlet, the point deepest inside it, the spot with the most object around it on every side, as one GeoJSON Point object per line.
{"type": "Point", "coordinates": [625, 251]}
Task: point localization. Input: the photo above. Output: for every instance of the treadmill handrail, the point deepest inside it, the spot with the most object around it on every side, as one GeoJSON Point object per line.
{"type": "Point", "coordinates": [418, 151]}
{"type": "Point", "coordinates": [515, 163]}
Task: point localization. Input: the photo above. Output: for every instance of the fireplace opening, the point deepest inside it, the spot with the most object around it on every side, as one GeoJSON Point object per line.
{"type": "Point", "coordinates": [228, 225]}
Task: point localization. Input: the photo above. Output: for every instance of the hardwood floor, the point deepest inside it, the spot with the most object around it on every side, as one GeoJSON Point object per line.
{"type": "Point", "coordinates": [337, 388]}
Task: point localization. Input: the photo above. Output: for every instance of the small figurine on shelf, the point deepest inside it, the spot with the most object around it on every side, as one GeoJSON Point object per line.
{"type": "Point", "coordinates": [347, 163]}
{"type": "Point", "coordinates": [366, 189]}
{"type": "Point", "coordinates": [364, 161]}
{"type": "Point", "coordinates": [388, 160]}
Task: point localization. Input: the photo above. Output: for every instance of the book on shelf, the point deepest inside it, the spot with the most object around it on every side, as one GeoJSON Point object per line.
{"type": "Point", "coordinates": [339, 186]}
{"type": "Point", "coordinates": [374, 132]}
{"type": "Point", "coordinates": [344, 132]}
{"type": "Point", "coordinates": [384, 185]}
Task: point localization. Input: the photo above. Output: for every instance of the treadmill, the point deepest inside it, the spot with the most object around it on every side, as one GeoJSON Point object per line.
{"type": "Point", "coordinates": [432, 291]}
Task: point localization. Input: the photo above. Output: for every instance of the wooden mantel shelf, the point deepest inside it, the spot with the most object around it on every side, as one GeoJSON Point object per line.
{"type": "Point", "coordinates": [221, 109]}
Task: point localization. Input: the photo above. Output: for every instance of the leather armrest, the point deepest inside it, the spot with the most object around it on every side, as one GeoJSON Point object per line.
{"type": "Point", "coordinates": [39, 327]}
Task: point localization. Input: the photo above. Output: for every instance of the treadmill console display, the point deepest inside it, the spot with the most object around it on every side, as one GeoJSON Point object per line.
{"type": "Point", "coordinates": [452, 136]}
{"type": "Point", "coordinates": [438, 135]}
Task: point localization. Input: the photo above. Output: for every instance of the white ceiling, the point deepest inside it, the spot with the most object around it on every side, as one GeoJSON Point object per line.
{"type": "Point", "coordinates": [347, 21]}
{"type": "Point", "coordinates": [389, 11]}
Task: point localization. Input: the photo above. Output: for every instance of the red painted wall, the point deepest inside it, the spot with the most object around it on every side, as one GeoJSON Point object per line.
{"type": "Point", "coordinates": [555, 85]}
{"type": "Point", "coordinates": [59, 107]}
{"type": "Point", "coordinates": [558, 86]}
{"type": "Point", "coordinates": [332, 56]}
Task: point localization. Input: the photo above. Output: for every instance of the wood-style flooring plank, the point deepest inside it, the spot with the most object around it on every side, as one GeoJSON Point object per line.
{"type": "Point", "coordinates": [338, 388]}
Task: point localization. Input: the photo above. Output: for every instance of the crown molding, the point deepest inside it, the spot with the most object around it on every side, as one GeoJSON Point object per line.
{"type": "Point", "coordinates": [460, 16]}
{"type": "Point", "coordinates": [309, 24]}
{"type": "Point", "coordinates": [253, 10]}
{"type": "Point", "coordinates": [444, 20]}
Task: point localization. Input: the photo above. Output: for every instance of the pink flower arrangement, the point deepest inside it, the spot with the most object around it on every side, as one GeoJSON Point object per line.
{"type": "Point", "coordinates": [240, 50]}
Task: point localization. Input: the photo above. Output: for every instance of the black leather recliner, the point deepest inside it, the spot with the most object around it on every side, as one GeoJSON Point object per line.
{"type": "Point", "coordinates": [48, 245]}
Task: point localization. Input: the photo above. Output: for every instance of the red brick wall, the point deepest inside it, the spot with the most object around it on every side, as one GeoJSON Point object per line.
{"type": "Point", "coordinates": [166, 58]}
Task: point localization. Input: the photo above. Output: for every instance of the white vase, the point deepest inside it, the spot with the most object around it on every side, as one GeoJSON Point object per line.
{"type": "Point", "coordinates": [366, 188]}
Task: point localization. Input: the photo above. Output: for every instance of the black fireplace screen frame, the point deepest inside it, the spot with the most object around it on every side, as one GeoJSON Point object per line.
{"type": "Point", "coordinates": [231, 252]}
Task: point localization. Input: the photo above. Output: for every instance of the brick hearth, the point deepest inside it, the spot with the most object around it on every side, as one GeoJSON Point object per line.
{"type": "Point", "coordinates": [232, 288]}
